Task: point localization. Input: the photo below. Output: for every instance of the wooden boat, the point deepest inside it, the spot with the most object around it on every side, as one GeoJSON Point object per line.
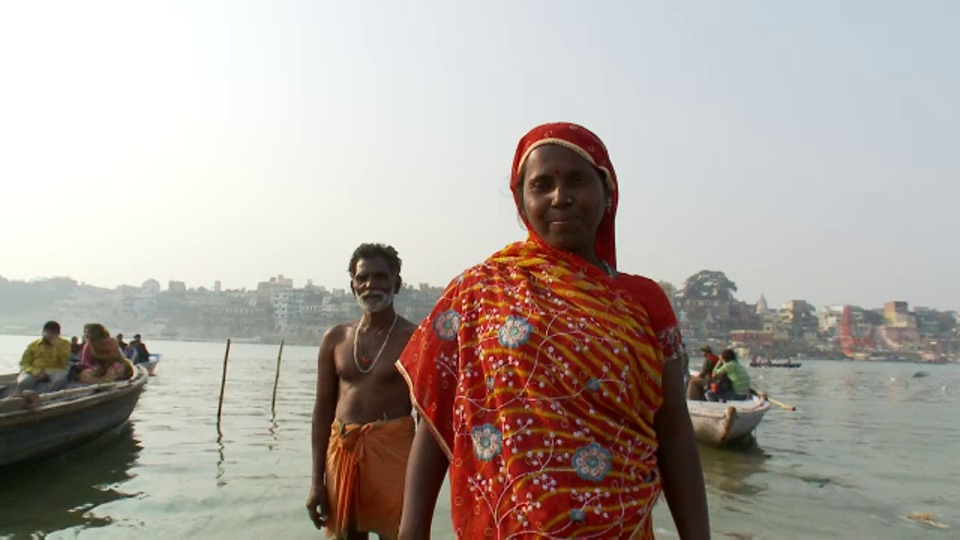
{"type": "Point", "coordinates": [720, 424]}
{"type": "Point", "coordinates": [775, 364]}
{"type": "Point", "coordinates": [61, 420]}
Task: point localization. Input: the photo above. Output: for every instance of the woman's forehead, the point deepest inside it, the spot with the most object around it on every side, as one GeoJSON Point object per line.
{"type": "Point", "coordinates": [549, 158]}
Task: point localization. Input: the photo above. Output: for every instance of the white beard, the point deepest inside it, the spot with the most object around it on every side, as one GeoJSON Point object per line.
{"type": "Point", "coordinates": [375, 302]}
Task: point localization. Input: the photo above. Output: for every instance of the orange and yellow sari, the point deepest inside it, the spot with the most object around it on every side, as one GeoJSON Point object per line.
{"type": "Point", "coordinates": [539, 375]}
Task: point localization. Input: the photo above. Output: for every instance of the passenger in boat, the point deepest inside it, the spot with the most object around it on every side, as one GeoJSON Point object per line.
{"type": "Point", "coordinates": [734, 372]}
{"type": "Point", "coordinates": [362, 421]}
{"type": "Point", "coordinates": [122, 344]}
{"type": "Point", "coordinates": [75, 349]}
{"type": "Point", "coordinates": [140, 353]}
{"type": "Point", "coordinates": [46, 359]}
{"type": "Point", "coordinates": [552, 384]}
{"type": "Point", "coordinates": [699, 383]}
{"type": "Point", "coordinates": [101, 360]}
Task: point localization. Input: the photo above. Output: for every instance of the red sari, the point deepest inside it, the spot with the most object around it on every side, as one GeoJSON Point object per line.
{"type": "Point", "coordinates": [540, 376]}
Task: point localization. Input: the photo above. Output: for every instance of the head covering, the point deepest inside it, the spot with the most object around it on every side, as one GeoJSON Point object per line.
{"type": "Point", "coordinates": [706, 349]}
{"type": "Point", "coordinates": [584, 142]}
{"type": "Point", "coordinates": [97, 331]}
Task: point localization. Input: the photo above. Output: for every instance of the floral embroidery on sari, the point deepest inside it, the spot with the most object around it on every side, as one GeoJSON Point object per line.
{"type": "Point", "coordinates": [540, 378]}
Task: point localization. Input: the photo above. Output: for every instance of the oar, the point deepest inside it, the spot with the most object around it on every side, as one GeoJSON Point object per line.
{"type": "Point", "coordinates": [773, 401]}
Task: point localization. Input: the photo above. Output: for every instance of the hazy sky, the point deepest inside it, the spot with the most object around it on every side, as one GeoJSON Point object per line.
{"type": "Point", "coordinates": [808, 149]}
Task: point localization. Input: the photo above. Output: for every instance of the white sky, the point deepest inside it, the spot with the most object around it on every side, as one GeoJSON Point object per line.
{"type": "Point", "coordinates": [807, 150]}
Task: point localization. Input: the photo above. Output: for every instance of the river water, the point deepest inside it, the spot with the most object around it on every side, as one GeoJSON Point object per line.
{"type": "Point", "coordinates": [868, 445]}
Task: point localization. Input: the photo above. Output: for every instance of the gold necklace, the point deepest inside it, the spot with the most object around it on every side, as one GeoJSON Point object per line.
{"type": "Point", "coordinates": [356, 335]}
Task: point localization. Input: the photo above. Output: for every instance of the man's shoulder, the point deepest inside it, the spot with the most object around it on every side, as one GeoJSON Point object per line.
{"type": "Point", "coordinates": [338, 332]}
{"type": "Point", "coordinates": [406, 325]}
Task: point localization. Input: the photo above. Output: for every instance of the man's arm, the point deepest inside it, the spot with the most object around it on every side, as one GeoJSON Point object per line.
{"type": "Point", "coordinates": [426, 469]}
{"type": "Point", "coordinates": [720, 370]}
{"type": "Point", "coordinates": [324, 409]}
{"type": "Point", "coordinates": [678, 459]}
{"type": "Point", "coordinates": [705, 368]}
{"type": "Point", "coordinates": [63, 354]}
{"type": "Point", "coordinates": [26, 361]}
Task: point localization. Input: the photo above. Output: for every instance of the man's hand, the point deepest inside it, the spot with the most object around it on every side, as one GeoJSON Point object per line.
{"type": "Point", "coordinates": [318, 506]}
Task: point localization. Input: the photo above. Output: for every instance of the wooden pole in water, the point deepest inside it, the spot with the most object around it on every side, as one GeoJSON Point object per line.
{"type": "Point", "coordinates": [276, 380]}
{"type": "Point", "coordinates": [223, 382]}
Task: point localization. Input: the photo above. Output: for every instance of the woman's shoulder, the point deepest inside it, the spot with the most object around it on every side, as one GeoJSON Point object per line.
{"type": "Point", "coordinates": [481, 272]}
{"type": "Point", "coordinates": [641, 286]}
{"type": "Point", "coordinates": [652, 296]}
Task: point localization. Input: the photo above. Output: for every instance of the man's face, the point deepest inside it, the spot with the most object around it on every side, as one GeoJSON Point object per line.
{"type": "Point", "coordinates": [374, 284]}
{"type": "Point", "coordinates": [50, 335]}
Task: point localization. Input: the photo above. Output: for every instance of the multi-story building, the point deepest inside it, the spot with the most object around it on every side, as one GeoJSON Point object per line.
{"type": "Point", "coordinates": [829, 319]}
{"type": "Point", "coordinates": [799, 316]}
{"type": "Point", "coordinates": [178, 287]}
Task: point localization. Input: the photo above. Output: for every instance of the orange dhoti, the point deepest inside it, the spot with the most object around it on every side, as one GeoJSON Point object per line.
{"type": "Point", "coordinates": [366, 467]}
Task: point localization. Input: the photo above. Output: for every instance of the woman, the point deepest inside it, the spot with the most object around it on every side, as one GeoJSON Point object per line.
{"type": "Point", "coordinates": [552, 385]}
{"type": "Point", "coordinates": [101, 360]}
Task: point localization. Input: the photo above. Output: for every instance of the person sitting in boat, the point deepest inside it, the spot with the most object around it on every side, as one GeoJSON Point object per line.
{"type": "Point", "coordinates": [122, 344]}
{"type": "Point", "coordinates": [75, 348]}
{"type": "Point", "coordinates": [101, 360]}
{"type": "Point", "coordinates": [140, 353]}
{"type": "Point", "coordinates": [731, 370]}
{"type": "Point", "coordinates": [46, 359]}
{"type": "Point", "coordinates": [699, 383]}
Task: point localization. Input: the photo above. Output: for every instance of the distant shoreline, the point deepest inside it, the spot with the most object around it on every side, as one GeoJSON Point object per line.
{"type": "Point", "coordinates": [293, 341]}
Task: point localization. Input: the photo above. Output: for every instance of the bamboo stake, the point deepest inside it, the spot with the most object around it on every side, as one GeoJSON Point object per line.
{"type": "Point", "coordinates": [276, 381]}
{"type": "Point", "coordinates": [223, 382]}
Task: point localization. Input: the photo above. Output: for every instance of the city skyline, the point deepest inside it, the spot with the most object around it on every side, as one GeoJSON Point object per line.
{"type": "Point", "coordinates": [772, 300]}
{"type": "Point", "coordinates": [809, 151]}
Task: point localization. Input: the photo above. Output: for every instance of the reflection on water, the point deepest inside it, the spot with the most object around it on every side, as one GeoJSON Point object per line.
{"type": "Point", "coordinates": [221, 467]}
{"type": "Point", "coordinates": [730, 471]}
{"type": "Point", "coordinates": [868, 445]}
{"type": "Point", "coordinates": [66, 491]}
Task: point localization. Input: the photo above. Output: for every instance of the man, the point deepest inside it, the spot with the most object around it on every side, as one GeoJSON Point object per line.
{"type": "Point", "coordinates": [698, 383]}
{"type": "Point", "coordinates": [735, 374]}
{"type": "Point", "coordinates": [75, 349]}
{"type": "Point", "coordinates": [46, 359]}
{"type": "Point", "coordinates": [362, 422]}
{"type": "Point", "coordinates": [140, 353]}
{"type": "Point", "coordinates": [122, 343]}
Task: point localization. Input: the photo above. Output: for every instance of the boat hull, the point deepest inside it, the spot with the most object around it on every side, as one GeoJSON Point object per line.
{"type": "Point", "coordinates": [62, 424]}
{"type": "Point", "coordinates": [722, 424]}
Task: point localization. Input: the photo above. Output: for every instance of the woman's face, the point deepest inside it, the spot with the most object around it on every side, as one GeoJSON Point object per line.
{"type": "Point", "coordinates": [563, 199]}
{"type": "Point", "coordinates": [86, 333]}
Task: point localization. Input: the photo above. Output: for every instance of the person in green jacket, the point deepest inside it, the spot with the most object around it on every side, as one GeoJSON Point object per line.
{"type": "Point", "coordinates": [733, 371]}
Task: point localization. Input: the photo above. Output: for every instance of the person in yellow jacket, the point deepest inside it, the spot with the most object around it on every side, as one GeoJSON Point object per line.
{"type": "Point", "coordinates": [46, 359]}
